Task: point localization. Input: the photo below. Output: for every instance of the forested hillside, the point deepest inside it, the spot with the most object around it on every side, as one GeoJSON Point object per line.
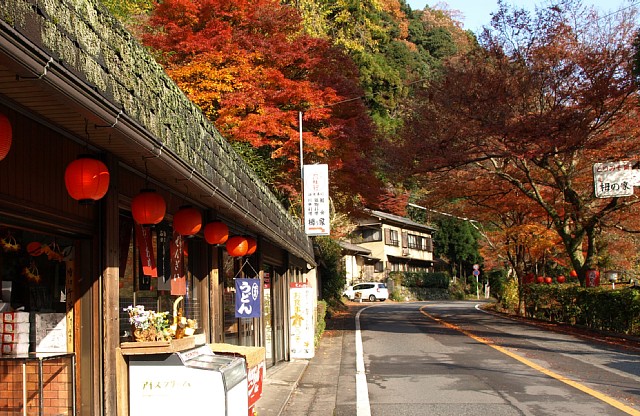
{"type": "Point", "coordinates": [351, 68]}
{"type": "Point", "coordinates": [406, 107]}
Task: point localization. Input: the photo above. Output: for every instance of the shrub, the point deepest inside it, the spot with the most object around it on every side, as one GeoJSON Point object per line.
{"type": "Point", "coordinates": [436, 280]}
{"type": "Point", "coordinates": [597, 308]}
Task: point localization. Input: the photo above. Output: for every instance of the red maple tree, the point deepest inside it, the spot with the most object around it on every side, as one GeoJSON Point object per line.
{"type": "Point", "coordinates": [532, 110]}
{"type": "Point", "coordinates": [252, 70]}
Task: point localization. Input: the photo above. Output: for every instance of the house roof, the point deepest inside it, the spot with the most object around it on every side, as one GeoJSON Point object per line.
{"type": "Point", "coordinates": [401, 221]}
{"type": "Point", "coordinates": [354, 248]}
{"type": "Point", "coordinates": [71, 66]}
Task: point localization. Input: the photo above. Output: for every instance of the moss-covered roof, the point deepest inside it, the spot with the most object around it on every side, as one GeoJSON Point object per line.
{"type": "Point", "coordinates": [82, 37]}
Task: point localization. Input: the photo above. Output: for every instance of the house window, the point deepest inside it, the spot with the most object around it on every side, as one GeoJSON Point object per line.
{"type": "Point", "coordinates": [370, 234]}
{"type": "Point", "coordinates": [391, 237]}
{"type": "Point", "coordinates": [378, 267]}
{"type": "Point", "coordinates": [413, 241]}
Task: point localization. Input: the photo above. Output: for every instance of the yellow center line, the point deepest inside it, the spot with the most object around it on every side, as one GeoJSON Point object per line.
{"type": "Point", "coordinates": [609, 400]}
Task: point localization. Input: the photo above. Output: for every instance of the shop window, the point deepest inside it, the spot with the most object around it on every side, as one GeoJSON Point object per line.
{"type": "Point", "coordinates": [36, 273]}
{"type": "Point", "coordinates": [33, 270]}
{"type": "Point", "coordinates": [237, 331]}
{"type": "Point", "coordinates": [156, 288]}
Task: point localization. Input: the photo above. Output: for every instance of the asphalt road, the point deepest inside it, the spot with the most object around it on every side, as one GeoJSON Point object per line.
{"type": "Point", "coordinates": [449, 358]}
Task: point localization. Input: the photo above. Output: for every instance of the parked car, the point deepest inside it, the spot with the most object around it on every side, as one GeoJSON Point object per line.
{"type": "Point", "coordinates": [367, 290]}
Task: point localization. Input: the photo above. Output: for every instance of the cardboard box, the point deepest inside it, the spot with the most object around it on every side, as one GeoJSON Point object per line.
{"type": "Point", "coordinates": [17, 348]}
{"type": "Point", "coordinates": [15, 328]}
{"type": "Point", "coordinates": [17, 317]}
{"type": "Point", "coordinates": [13, 338]}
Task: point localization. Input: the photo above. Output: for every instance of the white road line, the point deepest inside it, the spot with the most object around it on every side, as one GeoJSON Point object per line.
{"type": "Point", "coordinates": [362, 390]}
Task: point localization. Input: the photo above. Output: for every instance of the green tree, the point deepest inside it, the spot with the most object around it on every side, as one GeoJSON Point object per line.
{"type": "Point", "coordinates": [457, 242]}
{"type": "Point", "coordinates": [333, 278]}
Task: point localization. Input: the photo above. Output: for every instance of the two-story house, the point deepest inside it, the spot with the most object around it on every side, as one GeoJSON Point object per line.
{"type": "Point", "coordinates": [384, 243]}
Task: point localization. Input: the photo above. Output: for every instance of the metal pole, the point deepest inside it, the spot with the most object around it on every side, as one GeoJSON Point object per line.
{"type": "Point", "coordinates": [301, 169]}
{"type": "Point", "coordinates": [301, 154]}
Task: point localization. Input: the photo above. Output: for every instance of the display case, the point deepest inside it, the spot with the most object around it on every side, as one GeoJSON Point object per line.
{"type": "Point", "coordinates": [195, 381]}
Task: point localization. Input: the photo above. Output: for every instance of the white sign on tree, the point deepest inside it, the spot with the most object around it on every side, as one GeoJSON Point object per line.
{"type": "Point", "coordinates": [613, 179]}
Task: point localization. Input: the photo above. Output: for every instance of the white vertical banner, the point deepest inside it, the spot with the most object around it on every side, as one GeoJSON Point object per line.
{"type": "Point", "coordinates": [301, 322]}
{"type": "Point", "coordinates": [316, 200]}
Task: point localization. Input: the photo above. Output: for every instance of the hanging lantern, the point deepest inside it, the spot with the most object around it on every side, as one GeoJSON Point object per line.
{"type": "Point", "coordinates": [34, 248]}
{"type": "Point", "coordinates": [216, 232]}
{"type": "Point", "coordinates": [148, 207]}
{"type": "Point", "coordinates": [252, 245]}
{"type": "Point", "coordinates": [187, 221]}
{"type": "Point", "coordinates": [86, 179]}
{"type": "Point", "coordinates": [6, 135]}
{"type": "Point", "coordinates": [237, 246]}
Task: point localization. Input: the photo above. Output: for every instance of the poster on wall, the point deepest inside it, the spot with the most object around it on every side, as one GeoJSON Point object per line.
{"type": "Point", "coordinates": [247, 298]}
{"type": "Point", "coordinates": [301, 303]}
{"type": "Point", "coordinates": [316, 200]}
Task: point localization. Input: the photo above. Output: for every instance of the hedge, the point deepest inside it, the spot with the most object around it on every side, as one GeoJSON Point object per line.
{"type": "Point", "coordinates": [596, 308]}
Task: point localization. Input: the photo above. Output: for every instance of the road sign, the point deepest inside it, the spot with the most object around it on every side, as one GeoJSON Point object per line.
{"type": "Point", "coordinates": [476, 273]}
{"type": "Point", "coordinates": [613, 179]}
{"type": "Point", "coordinates": [476, 267]}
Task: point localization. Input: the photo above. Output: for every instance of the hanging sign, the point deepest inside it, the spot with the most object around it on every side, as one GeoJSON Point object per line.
{"type": "Point", "coordinates": [614, 179]}
{"type": "Point", "coordinates": [163, 256]}
{"type": "Point", "coordinates": [178, 281]}
{"type": "Point", "coordinates": [145, 247]}
{"type": "Point", "coordinates": [247, 298]}
{"type": "Point", "coordinates": [316, 200]}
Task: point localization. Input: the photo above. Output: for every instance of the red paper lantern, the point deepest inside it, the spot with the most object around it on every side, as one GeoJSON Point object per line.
{"type": "Point", "coordinates": [252, 245]}
{"type": "Point", "coordinates": [540, 279]}
{"type": "Point", "coordinates": [148, 207]}
{"type": "Point", "coordinates": [6, 135]}
{"type": "Point", "coordinates": [573, 273]}
{"type": "Point", "coordinates": [529, 278]}
{"type": "Point", "coordinates": [548, 280]}
{"type": "Point", "coordinates": [216, 232]}
{"type": "Point", "coordinates": [561, 279]}
{"type": "Point", "coordinates": [86, 179]}
{"type": "Point", "coordinates": [187, 221]}
{"type": "Point", "coordinates": [237, 246]}
{"type": "Point", "coordinates": [34, 248]}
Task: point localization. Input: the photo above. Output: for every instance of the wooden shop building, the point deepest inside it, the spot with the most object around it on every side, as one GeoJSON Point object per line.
{"type": "Point", "coordinates": [89, 122]}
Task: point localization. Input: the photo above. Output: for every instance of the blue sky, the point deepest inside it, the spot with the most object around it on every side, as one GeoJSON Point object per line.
{"type": "Point", "coordinates": [477, 13]}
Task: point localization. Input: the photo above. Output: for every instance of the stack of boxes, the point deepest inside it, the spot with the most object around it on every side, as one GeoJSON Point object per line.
{"type": "Point", "coordinates": [15, 332]}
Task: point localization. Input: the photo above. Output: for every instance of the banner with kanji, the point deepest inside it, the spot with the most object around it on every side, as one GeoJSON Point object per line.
{"type": "Point", "coordinates": [247, 298]}
{"type": "Point", "coordinates": [178, 279]}
{"type": "Point", "coordinates": [301, 322]}
{"type": "Point", "coordinates": [316, 200]}
{"type": "Point", "coordinates": [145, 247]}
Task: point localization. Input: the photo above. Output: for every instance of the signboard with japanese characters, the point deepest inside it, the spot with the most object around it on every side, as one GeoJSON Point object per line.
{"type": "Point", "coordinates": [247, 298]}
{"type": "Point", "coordinates": [614, 179]}
{"type": "Point", "coordinates": [316, 199]}
{"type": "Point", "coordinates": [301, 301]}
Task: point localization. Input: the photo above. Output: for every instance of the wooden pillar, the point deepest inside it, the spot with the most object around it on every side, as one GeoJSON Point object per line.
{"type": "Point", "coordinates": [110, 291]}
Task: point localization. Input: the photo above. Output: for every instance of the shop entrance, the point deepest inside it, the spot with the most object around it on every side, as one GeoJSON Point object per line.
{"type": "Point", "coordinates": [275, 316]}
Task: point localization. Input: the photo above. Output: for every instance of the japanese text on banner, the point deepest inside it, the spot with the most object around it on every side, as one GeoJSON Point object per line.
{"type": "Point", "coordinates": [316, 199]}
{"type": "Point", "coordinates": [247, 298]}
